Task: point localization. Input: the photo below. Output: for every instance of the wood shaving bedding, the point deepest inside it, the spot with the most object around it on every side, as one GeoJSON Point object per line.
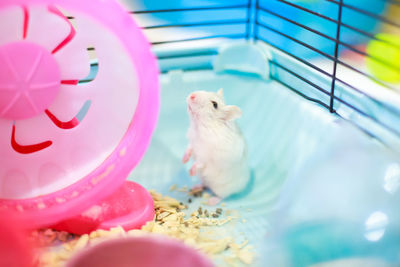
{"type": "Point", "coordinates": [170, 220]}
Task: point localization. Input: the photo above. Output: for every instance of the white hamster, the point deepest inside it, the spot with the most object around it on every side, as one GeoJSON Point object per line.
{"type": "Point", "coordinates": [216, 144]}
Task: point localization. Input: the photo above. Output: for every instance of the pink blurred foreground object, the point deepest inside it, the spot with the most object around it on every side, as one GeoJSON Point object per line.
{"type": "Point", "coordinates": [140, 252]}
{"type": "Point", "coordinates": [15, 250]}
{"type": "Point", "coordinates": [78, 106]}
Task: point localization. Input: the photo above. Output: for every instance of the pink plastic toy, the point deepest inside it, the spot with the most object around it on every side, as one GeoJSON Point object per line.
{"type": "Point", "coordinates": [140, 252]}
{"type": "Point", "coordinates": [130, 207]}
{"type": "Point", "coordinates": [79, 101]}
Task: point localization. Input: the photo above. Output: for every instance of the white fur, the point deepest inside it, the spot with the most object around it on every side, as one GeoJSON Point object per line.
{"type": "Point", "coordinates": [216, 144]}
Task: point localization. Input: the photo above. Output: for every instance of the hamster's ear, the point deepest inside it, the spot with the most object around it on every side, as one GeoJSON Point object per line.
{"type": "Point", "coordinates": [221, 92]}
{"type": "Point", "coordinates": [232, 113]}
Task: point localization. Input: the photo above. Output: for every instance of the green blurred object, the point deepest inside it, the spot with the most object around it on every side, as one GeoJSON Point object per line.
{"type": "Point", "coordinates": [387, 67]}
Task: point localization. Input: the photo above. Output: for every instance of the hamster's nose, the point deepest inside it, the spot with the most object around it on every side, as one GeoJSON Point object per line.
{"type": "Point", "coordinates": [192, 96]}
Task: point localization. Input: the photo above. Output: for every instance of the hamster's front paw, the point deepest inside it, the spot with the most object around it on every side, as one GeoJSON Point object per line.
{"type": "Point", "coordinates": [195, 168]}
{"type": "Point", "coordinates": [186, 157]}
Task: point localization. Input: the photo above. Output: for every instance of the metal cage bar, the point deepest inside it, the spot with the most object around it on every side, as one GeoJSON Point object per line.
{"type": "Point", "coordinates": [331, 103]}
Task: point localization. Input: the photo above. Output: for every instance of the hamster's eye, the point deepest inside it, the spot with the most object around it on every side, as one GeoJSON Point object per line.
{"type": "Point", "coordinates": [215, 104]}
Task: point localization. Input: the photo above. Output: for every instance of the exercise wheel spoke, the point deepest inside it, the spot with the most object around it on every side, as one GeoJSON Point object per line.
{"type": "Point", "coordinates": [27, 149]}
{"type": "Point", "coordinates": [71, 34]}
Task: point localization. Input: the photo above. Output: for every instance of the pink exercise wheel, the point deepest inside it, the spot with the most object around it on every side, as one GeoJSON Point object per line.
{"type": "Point", "coordinates": [79, 100]}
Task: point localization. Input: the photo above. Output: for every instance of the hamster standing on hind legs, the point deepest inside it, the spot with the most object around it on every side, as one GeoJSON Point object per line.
{"type": "Point", "coordinates": [216, 144]}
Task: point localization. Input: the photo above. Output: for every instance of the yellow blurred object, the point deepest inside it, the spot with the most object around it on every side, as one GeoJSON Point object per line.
{"type": "Point", "coordinates": [387, 53]}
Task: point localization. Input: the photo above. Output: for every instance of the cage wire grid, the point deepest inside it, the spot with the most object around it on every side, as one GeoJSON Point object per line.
{"type": "Point", "coordinates": [252, 26]}
{"type": "Point", "coordinates": [335, 58]}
